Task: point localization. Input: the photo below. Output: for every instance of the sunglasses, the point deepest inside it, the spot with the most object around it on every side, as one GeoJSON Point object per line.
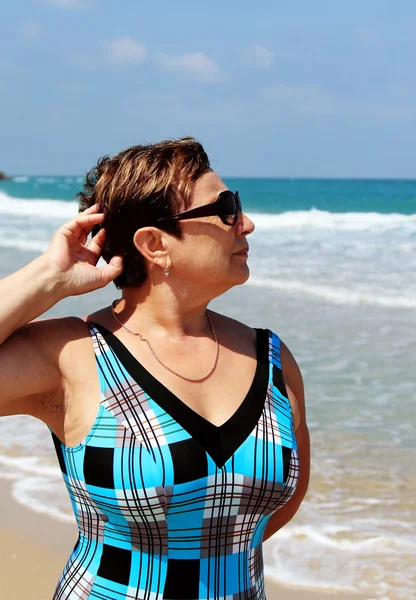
{"type": "Point", "coordinates": [227, 207]}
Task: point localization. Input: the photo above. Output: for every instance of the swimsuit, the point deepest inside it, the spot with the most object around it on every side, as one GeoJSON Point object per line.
{"type": "Point", "coordinates": [168, 505]}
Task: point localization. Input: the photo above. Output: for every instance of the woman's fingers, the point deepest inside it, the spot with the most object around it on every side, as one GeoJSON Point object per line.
{"type": "Point", "coordinates": [112, 270]}
{"type": "Point", "coordinates": [77, 258]}
{"type": "Point", "coordinates": [95, 248]}
{"type": "Point", "coordinates": [83, 224]}
{"type": "Point", "coordinates": [85, 233]}
{"type": "Point", "coordinates": [92, 209]}
{"type": "Point", "coordinates": [97, 242]}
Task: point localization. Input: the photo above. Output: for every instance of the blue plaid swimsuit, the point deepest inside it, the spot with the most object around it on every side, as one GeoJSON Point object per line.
{"type": "Point", "coordinates": [168, 505]}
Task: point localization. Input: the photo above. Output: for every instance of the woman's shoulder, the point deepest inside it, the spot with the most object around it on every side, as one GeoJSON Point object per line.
{"type": "Point", "coordinates": [55, 332]}
{"type": "Point", "coordinates": [232, 328]}
{"type": "Point", "coordinates": [240, 337]}
{"type": "Point", "coordinates": [285, 359]}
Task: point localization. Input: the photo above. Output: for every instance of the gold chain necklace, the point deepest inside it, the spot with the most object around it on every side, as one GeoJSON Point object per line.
{"type": "Point", "coordinates": [143, 339]}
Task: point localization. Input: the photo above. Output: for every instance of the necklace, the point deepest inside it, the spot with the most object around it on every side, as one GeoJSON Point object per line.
{"type": "Point", "coordinates": [143, 339]}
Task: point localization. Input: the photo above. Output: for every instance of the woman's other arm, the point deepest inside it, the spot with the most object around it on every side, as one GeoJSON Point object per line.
{"type": "Point", "coordinates": [295, 390]}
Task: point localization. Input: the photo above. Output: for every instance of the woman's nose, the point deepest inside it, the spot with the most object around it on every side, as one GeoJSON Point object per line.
{"type": "Point", "coordinates": [245, 225]}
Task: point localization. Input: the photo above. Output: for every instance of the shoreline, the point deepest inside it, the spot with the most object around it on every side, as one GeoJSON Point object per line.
{"type": "Point", "coordinates": [34, 549]}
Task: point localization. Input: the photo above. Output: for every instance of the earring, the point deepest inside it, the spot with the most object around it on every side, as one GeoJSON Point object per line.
{"type": "Point", "coordinates": [166, 271]}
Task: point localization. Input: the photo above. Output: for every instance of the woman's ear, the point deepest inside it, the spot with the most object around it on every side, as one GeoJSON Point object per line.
{"type": "Point", "coordinates": [151, 244]}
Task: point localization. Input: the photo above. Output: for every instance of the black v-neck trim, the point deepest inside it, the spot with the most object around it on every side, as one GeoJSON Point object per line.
{"type": "Point", "coordinates": [222, 441]}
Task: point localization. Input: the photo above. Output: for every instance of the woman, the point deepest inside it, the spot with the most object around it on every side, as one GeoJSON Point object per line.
{"type": "Point", "coordinates": [179, 431]}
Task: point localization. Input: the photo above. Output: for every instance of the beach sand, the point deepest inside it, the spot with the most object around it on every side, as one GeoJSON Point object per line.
{"type": "Point", "coordinates": [34, 549]}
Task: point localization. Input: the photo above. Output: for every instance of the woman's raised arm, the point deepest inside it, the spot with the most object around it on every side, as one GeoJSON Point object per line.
{"type": "Point", "coordinates": [29, 351]}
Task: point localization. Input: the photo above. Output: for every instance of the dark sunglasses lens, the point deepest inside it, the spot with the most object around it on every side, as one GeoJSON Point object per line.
{"type": "Point", "coordinates": [238, 202]}
{"type": "Point", "coordinates": [230, 207]}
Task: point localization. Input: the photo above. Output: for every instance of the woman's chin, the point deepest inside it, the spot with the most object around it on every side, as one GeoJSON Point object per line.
{"type": "Point", "coordinates": [246, 275]}
{"type": "Point", "coordinates": [236, 277]}
{"type": "Point", "coordinates": [241, 276]}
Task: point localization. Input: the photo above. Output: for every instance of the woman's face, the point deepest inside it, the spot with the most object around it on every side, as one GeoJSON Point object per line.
{"type": "Point", "coordinates": [209, 252]}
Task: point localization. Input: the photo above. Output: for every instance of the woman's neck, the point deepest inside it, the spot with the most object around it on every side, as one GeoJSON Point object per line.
{"type": "Point", "coordinates": [161, 311]}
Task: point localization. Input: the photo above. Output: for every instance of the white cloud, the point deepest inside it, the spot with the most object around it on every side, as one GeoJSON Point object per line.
{"type": "Point", "coordinates": [366, 35]}
{"type": "Point", "coordinates": [306, 99]}
{"type": "Point", "coordinates": [197, 64]}
{"type": "Point", "coordinates": [30, 29]}
{"type": "Point", "coordinates": [125, 51]}
{"type": "Point", "coordinates": [258, 56]}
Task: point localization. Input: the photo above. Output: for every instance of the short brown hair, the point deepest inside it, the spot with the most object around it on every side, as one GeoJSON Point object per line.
{"type": "Point", "coordinates": [138, 186]}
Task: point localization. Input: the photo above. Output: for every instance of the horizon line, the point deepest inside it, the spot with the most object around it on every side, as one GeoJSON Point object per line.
{"type": "Point", "coordinates": [248, 177]}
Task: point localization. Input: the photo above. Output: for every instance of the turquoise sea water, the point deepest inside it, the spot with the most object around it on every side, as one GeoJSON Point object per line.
{"type": "Point", "coordinates": [333, 272]}
{"type": "Point", "coordinates": [263, 195]}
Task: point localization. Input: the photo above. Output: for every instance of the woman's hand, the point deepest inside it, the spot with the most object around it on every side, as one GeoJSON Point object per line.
{"type": "Point", "coordinates": [76, 261]}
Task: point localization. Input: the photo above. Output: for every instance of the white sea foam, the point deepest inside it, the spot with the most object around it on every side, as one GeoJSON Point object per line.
{"type": "Point", "coordinates": [366, 556]}
{"type": "Point", "coordinates": [288, 577]}
{"type": "Point", "coordinates": [35, 493]}
{"type": "Point", "coordinates": [324, 536]}
{"type": "Point", "coordinates": [338, 295]}
{"type": "Point", "coordinates": [282, 573]}
{"type": "Point", "coordinates": [313, 218]}
{"type": "Point", "coordinates": [38, 207]}
{"type": "Point", "coordinates": [36, 485]}
{"type": "Point", "coordinates": [27, 245]}
{"type": "Point", "coordinates": [320, 219]}
{"type": "Point", "coordinates": [30, 465]}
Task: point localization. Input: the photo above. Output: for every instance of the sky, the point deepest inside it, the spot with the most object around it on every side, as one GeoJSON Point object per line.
{"type": "Point", "coordinates": [313, 88]}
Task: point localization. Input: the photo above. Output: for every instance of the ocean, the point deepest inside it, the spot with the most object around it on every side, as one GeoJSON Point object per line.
{"type": "Point", "coordinates": [333, 272]}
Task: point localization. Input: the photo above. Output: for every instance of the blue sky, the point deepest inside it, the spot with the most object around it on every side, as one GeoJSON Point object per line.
{"type": "Point", "coordinates": [313, 88]}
